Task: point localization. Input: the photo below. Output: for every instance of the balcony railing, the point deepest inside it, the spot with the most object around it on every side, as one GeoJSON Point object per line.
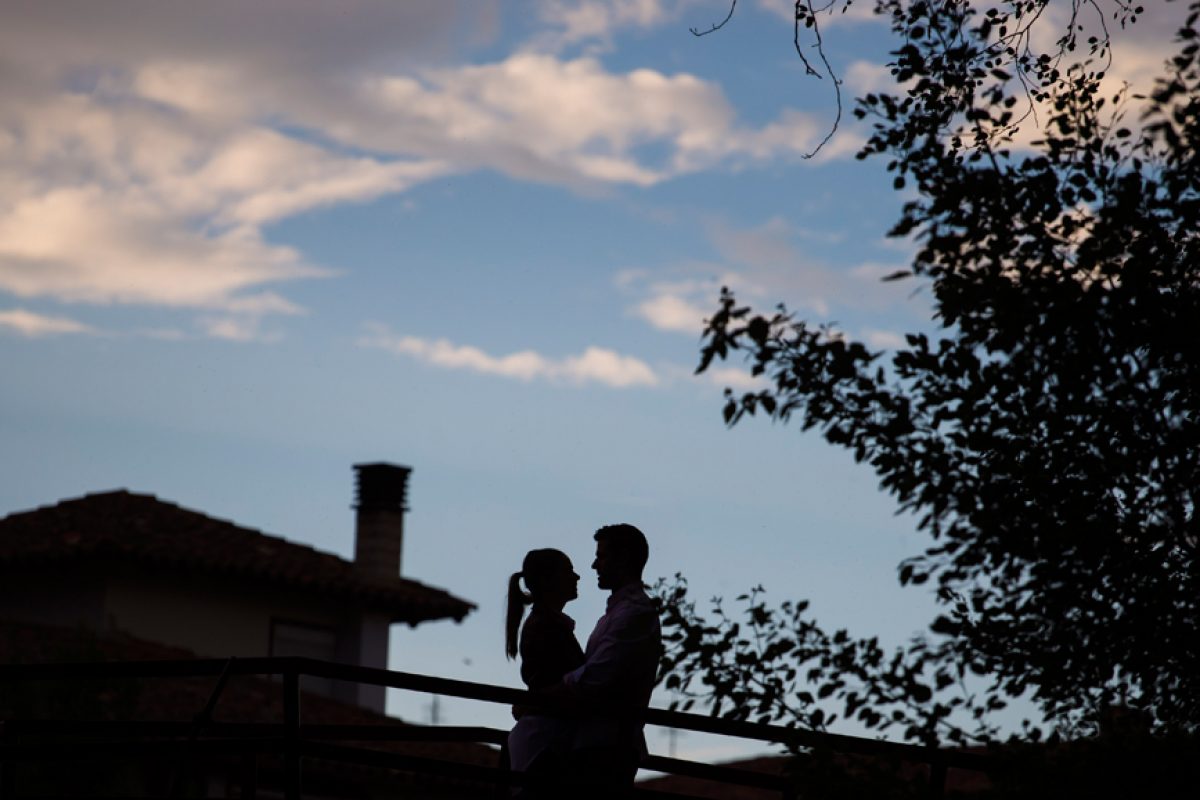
{"type": "Point", "coordinates": [291, 740]}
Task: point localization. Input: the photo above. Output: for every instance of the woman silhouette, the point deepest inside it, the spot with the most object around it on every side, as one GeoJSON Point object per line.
{"type": "Point", "coordinates": [539, 743]}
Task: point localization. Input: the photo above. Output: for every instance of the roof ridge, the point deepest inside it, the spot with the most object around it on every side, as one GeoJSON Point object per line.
{"type": "Point", "coordinates": [74, 499]}
{"type": "Point", "coordinates": [189, 510]}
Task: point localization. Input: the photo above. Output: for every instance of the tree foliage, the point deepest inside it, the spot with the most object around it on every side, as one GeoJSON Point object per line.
{"type": "Point", "coordinates": [1047, 436]}
{"type": "Point", "coordinates": [779, 665]}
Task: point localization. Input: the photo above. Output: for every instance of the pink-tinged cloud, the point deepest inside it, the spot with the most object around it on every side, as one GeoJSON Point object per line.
{"type": "Point", "coordinates": [32, 325]}
{"type": "Point", "coordinates": [595, 365]}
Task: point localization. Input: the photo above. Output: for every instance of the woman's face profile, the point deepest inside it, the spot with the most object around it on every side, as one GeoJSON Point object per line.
{"type": "Point", "coordinates": [564, 581]}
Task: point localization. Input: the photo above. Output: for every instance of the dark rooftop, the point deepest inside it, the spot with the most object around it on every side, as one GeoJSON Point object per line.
{"type": "Point", "coordinates": [143, 529]}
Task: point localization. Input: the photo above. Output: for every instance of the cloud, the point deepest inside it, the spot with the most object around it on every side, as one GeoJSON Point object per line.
{"type": "Point", "coordinates": [87, 245]}
{"type": "Point", "coordinates": [765, 264]}
{"type": "Point", "coordinates": [739, 380]}
{"type": "Point", "coordinates": [237, 329]}
{"type": "Point", "coordinates": [678, 300]}
{"type": "Point", "coordinates": [141, 151]}
{"type": "Point", "coordinates": [594, 22]}
{"type": "Point", "coordinates": [275, 37]}
{"type": "Point", "coordinates": [768, 245]}
{"type": "Point", "coordinates": [1138, 55]}
{"type": "Point", "coordinates": [1139, 52]}
{"type": "Point", "coordinates": [595, 365]}
{"type": "Point", "coordinates": [837, 12]}
{"type": "Point", "coordinates": [765, 261]}
{"type": "Point", "coordinates": [536, 117]}
{"type": "Point", "coordinates": [32, 325]}
{"type": "Point", "coordinates": [716, 376]}
{"type": "Point", "coordinates": [672, 312]}
{"type": "Point", "coordinates": [138, 205]}
{"type": "Point", "coordinates": [865, 77]}
{"type": "Point", "coordinates": [883, 340]}
{"type": "Point", "coordinates": [145, 147]}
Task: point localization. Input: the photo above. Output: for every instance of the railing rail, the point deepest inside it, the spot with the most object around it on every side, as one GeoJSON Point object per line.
{"type": "Point", "coordinates": [296, 740]}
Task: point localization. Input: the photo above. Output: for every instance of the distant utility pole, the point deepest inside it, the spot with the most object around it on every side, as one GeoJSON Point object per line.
{"type": "Point", "coordinates": [435, 710]}
{"type": "Point", "coordinates": [673, 735]}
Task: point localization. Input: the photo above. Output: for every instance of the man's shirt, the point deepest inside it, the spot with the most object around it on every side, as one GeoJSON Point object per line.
{"type": "Point", "coordinates": [620, 664]}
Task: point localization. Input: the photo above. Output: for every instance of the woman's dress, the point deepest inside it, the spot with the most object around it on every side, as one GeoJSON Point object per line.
{"type": "Point", "coordinates": [548, 650]}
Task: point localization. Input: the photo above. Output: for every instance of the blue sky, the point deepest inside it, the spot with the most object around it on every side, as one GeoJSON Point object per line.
{"type": "Point", "coordinates": [246, 245]}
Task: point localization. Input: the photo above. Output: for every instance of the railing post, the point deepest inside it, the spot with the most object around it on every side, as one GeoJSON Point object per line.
{"type": "Point", "coordinates": [250, 776]}
{"type": "Point", "coordinates": [291, 733]}
{"type": "Point", "coordinates": [7, 780]}
{"type": "Point", "coordinates": [503, 787]}
{"type": "Point", "coordinates": [199, 723]}
{"type": "Point", "coordinates": [937, 780]}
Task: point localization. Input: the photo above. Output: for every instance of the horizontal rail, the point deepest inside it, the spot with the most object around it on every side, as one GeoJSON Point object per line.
{"type": "Point", "coordinates": [713, 772]}
{"type": "Point", "coordinates": [280, 665]}
{"type": "Point", "coordinates": [106, 729]}
{"type": "Point", "coordinates": [415, 733]}
{"type": "Point", "coordinates": [140, 749]}
{"type": "Point", "coordinates": [134, 748]}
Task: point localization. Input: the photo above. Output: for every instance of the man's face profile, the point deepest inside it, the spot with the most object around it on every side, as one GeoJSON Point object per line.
{"type": "Point", "coordinates": [608, 565]}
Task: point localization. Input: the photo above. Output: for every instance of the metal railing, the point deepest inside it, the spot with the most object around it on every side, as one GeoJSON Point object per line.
{"type": "Point", "coordinates": [291, 740]}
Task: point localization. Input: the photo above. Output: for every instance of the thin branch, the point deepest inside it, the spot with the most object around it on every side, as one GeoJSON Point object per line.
{"type": "Point", "coordinates": [796, 17]}
{"type": "Point", "coordinates": [837, 83]}
{"type": "Point", "coordinates": [716, 25]}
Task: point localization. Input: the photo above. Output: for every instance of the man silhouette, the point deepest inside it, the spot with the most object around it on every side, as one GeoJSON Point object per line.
{"type": "Point", "coordinates": [620, 664]}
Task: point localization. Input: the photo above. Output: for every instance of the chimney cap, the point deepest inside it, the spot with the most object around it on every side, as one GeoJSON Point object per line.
{"type": "Point", "coordinates": [380, 485]}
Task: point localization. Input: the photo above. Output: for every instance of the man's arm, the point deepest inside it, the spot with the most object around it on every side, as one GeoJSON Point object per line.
{"type": "Point", "coordinates": [560, 702]}
{"type": "Point", "coordinates": [621, 657]}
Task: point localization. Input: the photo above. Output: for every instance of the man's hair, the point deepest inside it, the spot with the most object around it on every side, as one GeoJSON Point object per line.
{"type": "Point", "coordinates": [628, 541]}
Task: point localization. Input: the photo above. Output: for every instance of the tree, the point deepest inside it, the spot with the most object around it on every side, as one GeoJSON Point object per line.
{"type": "Point", "coordinates": [1048, 435]}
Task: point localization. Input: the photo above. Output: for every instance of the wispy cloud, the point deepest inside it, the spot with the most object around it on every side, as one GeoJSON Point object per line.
{"type": "Point", "coordinates": [672, 311]}
{"type": "Point", "coordinates": [769, 245]}
{"type": "Point", "coordinates": [864, 77]}
{"type": "Point", "coordinates": [593, 23]}
{"type": "Point", "coordinates": [767, 261]}
{"type": "Point", "coordinates": [679, 300]}
{"type": "Point", "coordinates": [739, 380]}
{"type": "Point", "coordinates": [237, 329]}
{"type": "Point", "coordinates": [883, 339]}
{"type": "Point", "coordinates": [761, 264]}
{"type": "Point", "coordinates": [837, 13]}
{"type": "Point", "coordinates": [596, 365]}
{"type": "Point", "coordinates": [32, 325]}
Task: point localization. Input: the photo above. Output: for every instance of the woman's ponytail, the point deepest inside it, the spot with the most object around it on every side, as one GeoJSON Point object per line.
{"type": "Point", "coordinates": [517, 600]}
{"type": "Point", "coordinates": [537, 570]}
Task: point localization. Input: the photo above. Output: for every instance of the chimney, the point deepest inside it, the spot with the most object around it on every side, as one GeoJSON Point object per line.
{"type": "Point", "coordinates": [381, 492]}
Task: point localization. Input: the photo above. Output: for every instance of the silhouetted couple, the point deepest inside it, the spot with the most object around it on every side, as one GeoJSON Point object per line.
{"type": "Point", "coordinates": [591, 747]}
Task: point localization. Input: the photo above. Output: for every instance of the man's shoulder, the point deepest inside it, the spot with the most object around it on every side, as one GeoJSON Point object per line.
{"type": "Point", "coordinates": [632, 594]}
{"type": "Point", "coordinates": [634, 613]}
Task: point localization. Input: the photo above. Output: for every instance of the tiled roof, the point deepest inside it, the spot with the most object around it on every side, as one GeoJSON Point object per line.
{"type": "Point", "coordinates": [141, 528]}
